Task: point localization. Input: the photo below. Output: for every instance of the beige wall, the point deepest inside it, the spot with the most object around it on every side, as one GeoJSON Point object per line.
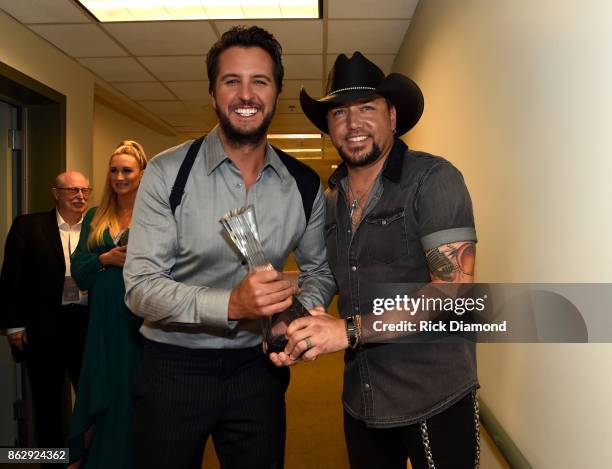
{"type": "Point", "coordinates": [110, 128]}
{"type": "Point", "coordinates": [92, 131]}
{"type": "Point", "coordinates": [31, 55]}
{"type": "Point", "coordinates": [517, 96]}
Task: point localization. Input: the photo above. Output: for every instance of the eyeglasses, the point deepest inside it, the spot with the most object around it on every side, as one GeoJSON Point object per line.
{"type": "Point", "coordinates": [75, 190]}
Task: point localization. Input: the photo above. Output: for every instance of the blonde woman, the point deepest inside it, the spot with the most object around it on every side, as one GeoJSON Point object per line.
{"type": "Point", "coordinates": [101, 431]}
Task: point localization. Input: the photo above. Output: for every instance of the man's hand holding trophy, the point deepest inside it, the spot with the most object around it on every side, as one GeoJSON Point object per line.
{"type": "Point", "coordinates": [241, 226]}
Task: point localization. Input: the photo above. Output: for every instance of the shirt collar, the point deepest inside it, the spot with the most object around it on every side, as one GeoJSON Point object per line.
{"type": "Point", "coordinates": [215, 155]}
{"type": "Point", "coordinates": [391, 171]}
{"type": "Point", "coordinates": [63, 224]}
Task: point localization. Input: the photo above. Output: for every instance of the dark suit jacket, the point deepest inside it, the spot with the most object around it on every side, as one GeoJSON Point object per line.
{"type": "Point", "coordinates": [32, 278]}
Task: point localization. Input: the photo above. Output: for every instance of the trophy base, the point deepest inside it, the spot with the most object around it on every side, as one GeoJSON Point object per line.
{"type": "Point", "coordinates": [276, 346]}
{"type": "Point", "coordinates": [275, 327]}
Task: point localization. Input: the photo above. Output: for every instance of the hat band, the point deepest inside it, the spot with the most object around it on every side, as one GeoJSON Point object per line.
{"type": "Point", "coordinates": [351, 88]}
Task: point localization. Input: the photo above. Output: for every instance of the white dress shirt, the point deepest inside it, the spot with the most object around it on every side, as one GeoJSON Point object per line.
{"type": "Point", "coordinates": [69, 236]}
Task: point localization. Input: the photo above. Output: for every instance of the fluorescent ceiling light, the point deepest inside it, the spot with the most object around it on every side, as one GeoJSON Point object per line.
{"type": "Point", "coordinates": [309, 158]}
{"type": "Point", "coordinates": [296, 136]}
{"type": "Point", "coordinates": [167, 10]}
{"type": "Point", "coordinates": [302, 150]}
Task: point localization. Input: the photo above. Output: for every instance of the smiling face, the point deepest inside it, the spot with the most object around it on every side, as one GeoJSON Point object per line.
{"type": "Point", "coordinates": [124, 174]}
{"type": "Point", "coordinates": [362, 130]}
{"type": "Point", "coordinates": [245, 94]}
{"type": "Point", "coordinates": [70, 205]}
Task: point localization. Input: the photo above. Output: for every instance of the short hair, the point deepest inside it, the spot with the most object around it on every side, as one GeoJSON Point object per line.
{"type": "Point", "coordinates": [242, 36]}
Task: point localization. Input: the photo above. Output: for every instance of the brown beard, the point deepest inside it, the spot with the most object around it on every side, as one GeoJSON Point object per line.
{"type": "Point", "coordinates": [237, 137]}
{"type": "Point", "coordinates": [365, 161]}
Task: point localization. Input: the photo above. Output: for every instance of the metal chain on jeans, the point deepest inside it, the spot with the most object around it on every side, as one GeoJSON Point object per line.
{"type": "Point", "coordinates": [477, 427]}
{"type": "Point", "coordinates": [427, 447]}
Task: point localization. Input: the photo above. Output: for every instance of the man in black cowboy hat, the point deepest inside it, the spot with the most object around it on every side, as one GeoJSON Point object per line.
{"type": "Point", "coordinates": [398, 216]}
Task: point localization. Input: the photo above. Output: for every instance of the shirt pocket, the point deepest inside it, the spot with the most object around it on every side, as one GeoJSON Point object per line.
{"type": "Point", "coordinates": [384, 236]}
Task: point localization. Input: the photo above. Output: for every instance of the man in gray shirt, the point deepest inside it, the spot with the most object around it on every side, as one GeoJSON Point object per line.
{"type": "Point", "coordinates": [204, 372]}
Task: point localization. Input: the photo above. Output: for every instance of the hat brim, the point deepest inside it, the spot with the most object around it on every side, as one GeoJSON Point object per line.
{"type": "Point", "coordinates": [405, 95]}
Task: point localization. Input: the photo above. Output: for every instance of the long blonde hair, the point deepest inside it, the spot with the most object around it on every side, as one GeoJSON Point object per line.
{"type": "Point", "coordinates": [106, 213]}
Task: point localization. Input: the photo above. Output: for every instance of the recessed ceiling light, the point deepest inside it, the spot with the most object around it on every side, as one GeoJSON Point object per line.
{"type": "Point", "coordinates": [302, 150]}
{"type": "Point", "coordinates": [168, 10]}
{"type": "Point", "coordinates": [296, 136]}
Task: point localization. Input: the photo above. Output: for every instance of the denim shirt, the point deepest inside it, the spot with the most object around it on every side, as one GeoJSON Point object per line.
{"type": "Point", "coordinates": [418, 202]}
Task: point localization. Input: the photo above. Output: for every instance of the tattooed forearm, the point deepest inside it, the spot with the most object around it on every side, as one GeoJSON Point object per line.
{"type": "Point", "coordinates": [452, 262]}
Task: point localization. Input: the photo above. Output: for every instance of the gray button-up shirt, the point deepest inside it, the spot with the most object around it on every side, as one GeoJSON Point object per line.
{"type": "Point", "coordinates": [181, 268]}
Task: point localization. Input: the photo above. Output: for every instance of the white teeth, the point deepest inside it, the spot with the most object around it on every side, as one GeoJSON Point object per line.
{"type": "Point", "coordinates": [246, 112]}
{"type": "Point", "coordinates": [359, 138]}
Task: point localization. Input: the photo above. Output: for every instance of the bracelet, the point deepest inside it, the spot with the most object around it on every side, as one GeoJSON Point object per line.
{"type": "Point", "coordinates": [357, 320]}
{"type": "Point", "coordinates": [351, 335]}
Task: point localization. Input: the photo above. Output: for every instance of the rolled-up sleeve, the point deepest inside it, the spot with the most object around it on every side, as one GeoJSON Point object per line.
{"type": "Point", "coordinates": [151, 291]}
{"type": "Point", "coordinates": [444, 207]}
{"type": "Point", "coordinates": [316, 279]}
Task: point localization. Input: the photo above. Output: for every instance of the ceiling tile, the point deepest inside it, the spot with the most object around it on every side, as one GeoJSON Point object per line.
{"type": "Point", "coordinates": [306, 67]}
{"type": "Point", "coordinates": [176, 68]}
{"type": "Point", "coordinates": [144, 91]}
{"type": "Point", "coordinates": [193, 135]}
{"type": "Point", "coordinates": [80, 40]}
{"type": "Point", "coordinates": [164, 107]}
{"type": "Point", "coordinates": [288, 106]}
{"type": "Point", "coordinates": [298, 123]}
{"type": "Point", "coordinates": [291, 88]}
{"type": "Point", "coordinates": [189, 90]}
{"type": "Point", "coordinates": [117, 69]}
{"type": "Point", "coordinates": [384, 61]}
{"type": "Point", "coordinates": [306, 143]}
{"type": "Point", "coordinates": [183, 120]}
{"type": "Point", "coordinates": [371, 36]}
{"type": "Point", "coordinates": [369, 9]}
{"type": "Point", "coordinates": [164, 37]}
{"type": "Point", "coordinates": [200, 107]}
{"type": "Point", "coordinates": [45, 11]}
{"type": "Point", "coordinates": [193, 129]}
{"type": "Point", "coordinates": [295, 36]}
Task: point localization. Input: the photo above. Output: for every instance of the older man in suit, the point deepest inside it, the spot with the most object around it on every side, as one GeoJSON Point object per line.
{"type": "Point", "coordinates": [45, 314]}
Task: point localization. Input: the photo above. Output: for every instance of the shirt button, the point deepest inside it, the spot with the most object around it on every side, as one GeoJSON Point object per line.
{"type": "Point", "coordinates": [239, 185]}
{"type": "Point", "coordinates": [367, 386]}
{"type": "Point", "coordinates": [354, 268]}
{"type": "Point", "coordinates": [384, 222]}
{"type": "Point", "coordinates": [348, 231]}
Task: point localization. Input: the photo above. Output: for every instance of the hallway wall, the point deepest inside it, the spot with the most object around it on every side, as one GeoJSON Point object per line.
{"type": "Point", "coordinates": [110, 128]}
{"type": "Point", "coordinates": [517, 96]}
{"type": "Point", "coordinates": [93, 129]}
{"type": "Point", "coordinates": [23, 50]}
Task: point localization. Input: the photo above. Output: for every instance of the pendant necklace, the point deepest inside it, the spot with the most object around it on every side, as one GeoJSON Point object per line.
{"type": "Point", "coordinates": [355, 202]}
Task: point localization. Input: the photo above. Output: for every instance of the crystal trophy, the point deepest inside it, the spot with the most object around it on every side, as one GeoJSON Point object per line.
{"type": "Point", "coordinates": [241, 226]}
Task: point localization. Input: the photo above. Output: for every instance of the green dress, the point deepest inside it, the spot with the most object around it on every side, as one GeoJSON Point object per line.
{"type": "Point", "coordinates": [112, 352]}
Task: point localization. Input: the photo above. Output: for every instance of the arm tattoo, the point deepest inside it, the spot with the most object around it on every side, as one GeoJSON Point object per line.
{"type": "Point", "coordinates": [450, 262]}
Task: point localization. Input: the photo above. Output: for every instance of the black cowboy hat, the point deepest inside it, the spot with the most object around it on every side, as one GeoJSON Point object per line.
{"type": "Point", "coordinates": [357, 78]}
